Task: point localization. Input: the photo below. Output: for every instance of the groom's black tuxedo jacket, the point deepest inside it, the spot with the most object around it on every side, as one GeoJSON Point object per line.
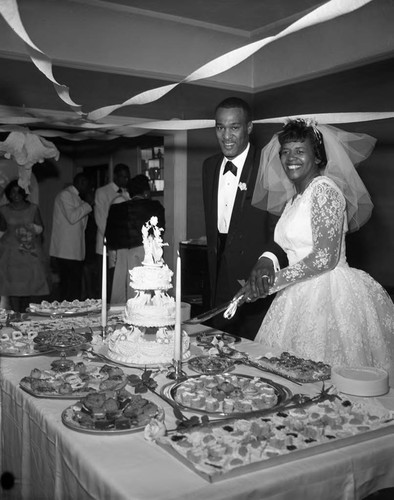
{"type": "Point", "coordinates": [250, 231]}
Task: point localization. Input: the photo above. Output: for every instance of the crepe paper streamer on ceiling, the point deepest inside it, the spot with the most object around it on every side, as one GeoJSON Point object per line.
{"type": "Point", "coordinates": [10, 12]}
{"type": "Point", "coordinates": [27, 149]}
{"type": "Point", "coordinates": [326, 12]}
{"type": "Point", "coordinates": [112, 131]}
{"type": "Point", "coordinates": [330, 118]}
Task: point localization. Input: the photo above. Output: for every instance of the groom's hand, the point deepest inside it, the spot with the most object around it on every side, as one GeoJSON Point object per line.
{"type": "Point", "coordinates": [261, 278]}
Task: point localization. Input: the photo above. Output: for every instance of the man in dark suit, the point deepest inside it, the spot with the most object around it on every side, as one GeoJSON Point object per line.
{"type": "Point", "coordinates": [238, 234]}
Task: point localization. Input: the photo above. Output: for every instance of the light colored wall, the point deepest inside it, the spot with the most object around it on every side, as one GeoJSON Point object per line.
{"type": "Point", "coordinates": [350, 40]}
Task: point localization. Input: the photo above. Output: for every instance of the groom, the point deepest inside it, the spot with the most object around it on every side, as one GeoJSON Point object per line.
{"type": "Point", "coordinates": [237, 232]}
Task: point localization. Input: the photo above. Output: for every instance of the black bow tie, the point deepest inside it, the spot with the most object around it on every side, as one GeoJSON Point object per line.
{"type": "Point", "coordinates": [230, 167]}
{"type": "Point", "coordinates": [120, 191]}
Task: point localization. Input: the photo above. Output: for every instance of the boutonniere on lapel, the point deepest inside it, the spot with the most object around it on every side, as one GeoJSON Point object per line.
{"type": "Point", "coordinates": [242, 186]}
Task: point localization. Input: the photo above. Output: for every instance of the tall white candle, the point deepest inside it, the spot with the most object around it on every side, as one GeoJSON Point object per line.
{"type": "Point", "coordinates": [104, 287]}
{"type": "Point", "coordinates": [178, 330]}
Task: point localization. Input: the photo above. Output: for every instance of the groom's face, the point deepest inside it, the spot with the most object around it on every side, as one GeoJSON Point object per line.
{"type": "Point", "coordinates": [232, 131]}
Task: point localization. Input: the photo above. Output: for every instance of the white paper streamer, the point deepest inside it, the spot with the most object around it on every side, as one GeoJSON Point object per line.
{"type": "Point", "coordinates": [326, 12]}
{"type": "Point", "coordinates": [10, 12]}
{"type": "Point", "coordinates": [329, 10]}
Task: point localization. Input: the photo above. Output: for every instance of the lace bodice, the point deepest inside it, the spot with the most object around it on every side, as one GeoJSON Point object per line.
{"type": "Point", "coordinates": [312, 232]}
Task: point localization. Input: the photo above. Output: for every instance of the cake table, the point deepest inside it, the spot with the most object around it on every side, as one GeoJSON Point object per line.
{"type": "Point", "coordinates": [50, 460]}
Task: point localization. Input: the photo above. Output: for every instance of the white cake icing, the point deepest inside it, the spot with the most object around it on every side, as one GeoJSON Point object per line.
{"type": "Point", "coordinates": [151, 308]}
{"type": "Point", "coordinates": [151, 277]}
{"type": "Point", "coordinates": [133, 346]}
{"type": "Point", "coordinates": [360, 381]}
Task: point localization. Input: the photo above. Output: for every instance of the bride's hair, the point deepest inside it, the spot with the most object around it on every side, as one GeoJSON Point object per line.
{"type": "Point", "coordinates": [298, 131]}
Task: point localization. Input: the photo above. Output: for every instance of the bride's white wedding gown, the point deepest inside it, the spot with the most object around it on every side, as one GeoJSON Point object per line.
{"type": "Point", "coordinates": [324, 309]}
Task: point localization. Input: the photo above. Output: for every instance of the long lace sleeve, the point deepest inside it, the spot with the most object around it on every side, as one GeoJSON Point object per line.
{"type": "Point", "coordinates": [327, 214]}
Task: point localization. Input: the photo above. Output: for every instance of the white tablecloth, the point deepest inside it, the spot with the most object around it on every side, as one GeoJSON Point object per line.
{"type": "Point", "coordinates": [51, 461]}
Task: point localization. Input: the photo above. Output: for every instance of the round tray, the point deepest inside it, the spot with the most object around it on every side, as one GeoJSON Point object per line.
{"type": "Point", "coordinates": [210, 365]}
{"type": "Point", "coordinates": [68, 421]}
{"type": "Point", "coordinates": [62, 340]}
{"type": "Point", "coordinates": [35, 352]}
{"type": "Point", "coordinates": [206, 338]}
{"type": "Point", "coordinates": [282, 393]}
{"type": "Point", "coordinates": [60, 313]}
{"type": "Point", "coordinates": [25, 384]}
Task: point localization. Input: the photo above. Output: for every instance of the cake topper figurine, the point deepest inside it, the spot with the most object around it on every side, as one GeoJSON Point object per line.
{"type": "Point", "coordinates": [153, 242]}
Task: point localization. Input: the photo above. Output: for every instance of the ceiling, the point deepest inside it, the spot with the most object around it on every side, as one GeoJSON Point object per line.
{"type": "Point", "coordinates": [107, 51]}
{"type": "Point", "coordinates": [248, 15]}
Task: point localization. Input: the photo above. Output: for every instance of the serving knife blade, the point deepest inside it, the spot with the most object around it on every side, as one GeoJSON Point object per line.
{"type": "Point", "coordinates": [212, 312]}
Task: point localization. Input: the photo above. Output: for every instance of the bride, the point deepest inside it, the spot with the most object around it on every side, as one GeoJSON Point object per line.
{"type": "Point", "coordinates": [324, 310]}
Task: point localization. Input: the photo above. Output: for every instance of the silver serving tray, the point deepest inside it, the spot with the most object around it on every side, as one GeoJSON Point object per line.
{"type": "Point", "coordinates": [282, 392]}
{"type": "Point", "coordinates": [35, 352]}
{"type": "Point", "coordinates": [227, 366]}
{"type": "Point", "coordinates": [68, 421]}
{"type": "Point", "coordinates": [60, 314]}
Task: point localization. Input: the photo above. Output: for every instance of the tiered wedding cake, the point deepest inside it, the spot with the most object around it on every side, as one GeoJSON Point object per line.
{"type": "Point", "coordinates": [149, 340]}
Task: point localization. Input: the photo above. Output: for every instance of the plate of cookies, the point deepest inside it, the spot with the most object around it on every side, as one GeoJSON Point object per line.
{"type": "Point", "coordinates": [14, 343]}
{"type": "Point", "coordinates": [79, 380]}
{"type": "Point", "coordinates": [111, 412]}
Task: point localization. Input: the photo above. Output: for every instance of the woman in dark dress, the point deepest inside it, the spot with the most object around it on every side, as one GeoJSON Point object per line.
{"type": "Point", "coordinates": [22, 268]}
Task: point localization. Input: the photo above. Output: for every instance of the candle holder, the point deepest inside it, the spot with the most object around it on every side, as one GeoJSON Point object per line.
{"type": "Point", "coordinates": [175, 372]}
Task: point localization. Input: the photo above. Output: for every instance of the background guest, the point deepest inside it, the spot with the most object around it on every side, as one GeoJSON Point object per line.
{"type": "Point", "coordinates": [123, 233]}
{"type": "Point", "coordinates": [70, 215]}
{"type": "Point", "coordinates": [23, 273]}
{"type": "Point", "coordinates": [103, 199]}
{"type": "Point", "coordinates": [237, 232]}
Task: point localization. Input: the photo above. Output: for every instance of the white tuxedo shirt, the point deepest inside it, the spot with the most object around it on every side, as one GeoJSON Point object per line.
{"type": "Point", "coordinates": [70, 216]}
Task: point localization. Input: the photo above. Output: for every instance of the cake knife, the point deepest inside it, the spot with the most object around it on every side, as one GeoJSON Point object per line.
{"type": "Point", "coordinates": [229, 307]}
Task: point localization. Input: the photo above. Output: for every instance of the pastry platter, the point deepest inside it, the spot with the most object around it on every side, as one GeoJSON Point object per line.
{"type": "Point", "coordinates": [230, 448]}
{"type": "Point", "coordinates": [65, 308]}
{"type": "Point", "coordinates": [60, 313]}
{"type": "Point", "coordinates": [227, 395]}
{"type": "Point", "coordinates": [14, 343]}
{"type": "Point", "coordinates": [63, 339]}
{"type": "Point", "coordinates": [294, 368]}
{"type": "Point", "coordinates": [210, 338]}
{"type": "Point", "coordinates": [117, 412]}
{"type": "Point", "coordinates": [81, 380]}
{"type": "Point", "coordinates": [210, 365]}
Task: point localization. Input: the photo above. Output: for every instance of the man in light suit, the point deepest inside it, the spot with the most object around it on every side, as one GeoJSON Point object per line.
{"type": "Point", "coordinates": [237, 232]}
{"type": "Point", "coordinates": [70, 216]}
{"type": "Point", "coordinates": [105, 195]}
